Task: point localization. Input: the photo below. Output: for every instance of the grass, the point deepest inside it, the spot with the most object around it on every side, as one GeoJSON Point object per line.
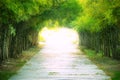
{"type": "Point", "coordinates": [11, 66]}
{"type": "Point", "coordinates": [110, 66]}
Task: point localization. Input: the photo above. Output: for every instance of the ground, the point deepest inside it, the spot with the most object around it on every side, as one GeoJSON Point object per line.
{"type": "Point", "coordinates": [60, 63]}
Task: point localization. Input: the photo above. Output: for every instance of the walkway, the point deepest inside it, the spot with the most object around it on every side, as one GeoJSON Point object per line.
{"type": "Point", "coordinates": [60, 64]}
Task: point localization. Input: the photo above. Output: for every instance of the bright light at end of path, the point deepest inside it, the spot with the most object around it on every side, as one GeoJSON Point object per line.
{"type": "Point", "coordinates": [60, 38]}
{"type": "Point", "coordinates": [59, 49]}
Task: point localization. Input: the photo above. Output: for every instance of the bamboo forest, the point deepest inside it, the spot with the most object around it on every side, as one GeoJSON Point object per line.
{"type": "Point", "coordinates": [59, 39]}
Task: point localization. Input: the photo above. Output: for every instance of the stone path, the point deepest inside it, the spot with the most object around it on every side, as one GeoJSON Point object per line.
{"type": "Point", "coordinates": [60, 64]}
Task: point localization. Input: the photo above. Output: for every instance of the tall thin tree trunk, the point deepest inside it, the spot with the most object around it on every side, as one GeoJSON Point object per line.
{"type": "Point", "coordinates": [5, 47]}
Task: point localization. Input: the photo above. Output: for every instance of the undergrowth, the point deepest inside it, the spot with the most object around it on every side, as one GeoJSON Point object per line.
{"type": "Point", "coordinates": [11, 66]}
{"type": "Point", "coordinates": [109, 65]}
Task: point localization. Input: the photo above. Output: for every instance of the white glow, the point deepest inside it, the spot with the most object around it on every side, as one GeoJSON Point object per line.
{"type": "Point", "coordinates": [59, 47]}
{"type": "Point", "coordinates": [60, 38]}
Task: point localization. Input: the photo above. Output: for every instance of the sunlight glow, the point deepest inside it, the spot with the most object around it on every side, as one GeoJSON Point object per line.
{"type": "Point", "coordinates": [60, 46]}
{"type": "Point", "coordinates": [60, 38]}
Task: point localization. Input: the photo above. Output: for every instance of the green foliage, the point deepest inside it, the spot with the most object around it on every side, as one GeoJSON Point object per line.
{"type": "Point", "coordinates": [97, 15]}
{"type": "Point", "coordinates": [6, 75]}
{"type": "Point", "coordinates": [15, 11]}
{"type": "Point", "coordinates": [86, 23]}
{"type": "Point", "coordinates": [64, 13]}
{"type": "Point", "coordinates": [84, 14]}
{"type": "Point", "coordinates": [12, 30]}
{"type": "Point", "coordinates": [23, 10]}
{"type": "Point", "coordinates": [116, 75]}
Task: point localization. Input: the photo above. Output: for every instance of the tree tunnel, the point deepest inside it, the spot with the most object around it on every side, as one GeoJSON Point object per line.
{"type": "Point", "coordinates": [60, 26]}
{"type": "Point", "coordinates": [97, 23]}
